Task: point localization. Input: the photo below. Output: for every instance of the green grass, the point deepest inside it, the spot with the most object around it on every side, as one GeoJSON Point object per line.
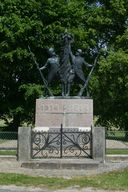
{"type": "Point", "coordinates": [1, 141]}
{"type": "Point", "coordinates": [2, 124]}
{"type": "Point", "coordinates": [8, 152]}
{"type": "Point", "coordinates": [117, 151]}
{"type": "Point", "coordinates": [117, 135]}
{"type": "Point", "coordinates": [108, 152]}
{"type": "Point", "coordinates": [117, 180]}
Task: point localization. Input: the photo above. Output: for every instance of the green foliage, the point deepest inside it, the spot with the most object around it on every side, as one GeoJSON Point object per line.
{"type": "Point", "coordinates": [19, 25]}
{"type": "Point", "coordinates": [112, 90]}
{"type": "Point", "coordinates": [38, 23]}
{"type": "Point", "coordinates": [109, 85]}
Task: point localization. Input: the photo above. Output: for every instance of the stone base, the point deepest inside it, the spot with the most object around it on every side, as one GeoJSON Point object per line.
{"type": "Point", "coordinates": [71, 112]}
{"type": "Point", "coordinates": [70, 164]}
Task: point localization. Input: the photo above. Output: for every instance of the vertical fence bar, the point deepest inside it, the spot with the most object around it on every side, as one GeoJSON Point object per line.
{"type": "Point", "coordinates": [32, 144]}
{"type": "Point", "coordinates": [91, 141]}
{"type": "Point", "coordinates": [61, 142]}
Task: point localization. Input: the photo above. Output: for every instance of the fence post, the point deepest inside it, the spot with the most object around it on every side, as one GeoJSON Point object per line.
{"type": "Point", "coordinates": [24, 143]}
{"type": "Point", "coordinates": [98, 144]}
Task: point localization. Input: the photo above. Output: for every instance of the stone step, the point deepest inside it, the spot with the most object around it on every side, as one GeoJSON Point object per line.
{"type": "Point", "coordinates": [70, 164]}
{"type": "Point", "coordinates": [117, 157]}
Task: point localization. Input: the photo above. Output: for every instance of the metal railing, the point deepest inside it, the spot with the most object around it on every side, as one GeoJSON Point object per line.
{"type": "Point", "coordinates": [8, 140]}
{"type": "Point", "coordinates": [117, 142]}
{"type": "Point", "coordinates": [61, 143]}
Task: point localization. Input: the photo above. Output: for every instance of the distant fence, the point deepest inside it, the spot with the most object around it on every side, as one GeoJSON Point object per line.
{"type": "Point", "coordinates": [117, 142]}
{"type": "Point", "coordinates": [8, 140]}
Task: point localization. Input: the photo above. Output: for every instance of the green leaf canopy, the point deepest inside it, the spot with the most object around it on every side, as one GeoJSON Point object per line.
{"type": "Point", "coordinates": [38, 23]}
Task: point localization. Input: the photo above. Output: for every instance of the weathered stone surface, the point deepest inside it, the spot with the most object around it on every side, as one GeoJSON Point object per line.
{"type": "Point", "coordinates": [98, 144]}
{"type": "Point", "coordinates": [24, 143]}
{"type": "Point", "coordinates": [69, 112]}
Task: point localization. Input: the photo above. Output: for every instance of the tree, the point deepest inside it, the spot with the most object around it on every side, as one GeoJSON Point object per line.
{"type": "Point", "coordinates": [38, 23]}
{"type": "Point", "coordinates": [19, 24]}
{"type": "Point", "coordinates": [23, 23]}
{"type": "Point", "coordinates": [110, 89]}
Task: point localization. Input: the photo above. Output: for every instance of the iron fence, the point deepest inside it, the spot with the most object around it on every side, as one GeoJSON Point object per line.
{"type": "Point", "coordinates": [117, 142]}
{"type": "Point", "coordinates": [61, 143]}
{"type": "Point", "coordinates": [8, 140]}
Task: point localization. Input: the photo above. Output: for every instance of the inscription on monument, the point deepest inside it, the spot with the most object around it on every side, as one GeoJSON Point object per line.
{"type": "Point", "coordinates": [68, 108]}
{"type": "Point", "coordinates": [69, 112]}
{"type": "Point", "coordinates": [45, 108]}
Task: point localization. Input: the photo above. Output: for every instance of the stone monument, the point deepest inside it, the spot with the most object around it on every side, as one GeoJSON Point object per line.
{"type": "Point", "coordinates": [63, 123]}
{"type": "Point", "coordinates": [72, 111]}
{"type": "Point", "coordinates": [69, 110]}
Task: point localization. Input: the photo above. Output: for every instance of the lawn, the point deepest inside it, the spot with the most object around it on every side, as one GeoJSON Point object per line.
{"type": "Point", "coordinates": [117, 151]}
{"type": "Point", "coordinates": [8, 152]}
{"type": "Point", "coordinates": [117, 180]}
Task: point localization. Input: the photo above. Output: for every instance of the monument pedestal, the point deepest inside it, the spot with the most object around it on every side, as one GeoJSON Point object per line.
{"type": "Point", "coordinates": [70, 112]}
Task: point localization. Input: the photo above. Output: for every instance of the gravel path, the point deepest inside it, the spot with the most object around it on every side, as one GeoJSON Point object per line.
{"type": "Point", "coordinates": [109, 144]}
{"type": "Point", "coordinates": [13, 166]}
{"type": "Point", "coordinates": [12, 188]}
{"type": "Point", "coordinates": [116, 144]}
